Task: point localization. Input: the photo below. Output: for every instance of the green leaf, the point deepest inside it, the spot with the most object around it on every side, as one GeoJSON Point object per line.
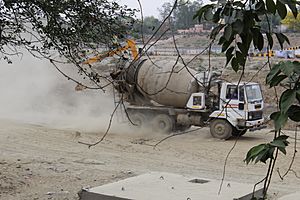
{"type": "Point", "coordinates": [282, 137]}
{"type": "Point", "coordinates": [286, 100]}
{"type": "Point", "coordinates": [234, 64]}
{"type": "Point", "coordinates": [279, 119]}
{"type": "Point", "coordinates": [267, 154]}
{"type": "Point", "coordinates": [208, 15]}
{"type": "Point", "coordinates": [242, 47]}
{"type": "Point", "coordinates": [258, 39]}
{"type": "Point", "coordinates": [216, 31]}
{"type": "Point", "coordinates": [281, 143]}
{"type": "Point", "coordinates": [277, 79]}
{"type": "Point", "coordinates": [271, 7]}
{"type": "Point", "coordinates": [221, 40]}
{"type": "Point", "coordinates": [278, 143]}
{"type": "Point", "coordinates": [260, 5]}
{"type": "Point", "coordinates": [270, 39]}
{"type": "Point", "coordinates": [241, 58]}
{"type": "Point", "coordinates": [262, 156]}
{"type": "Point", "coordinates": [293, 8]}
{"type": "Point", "coordinates": [294, 113]}
{"type": "Point", "coordinates": [276, 69]}
{"type": "Point", "coordinates": [281, 9]}
{"type": "Point", "coordinates": [282, 149]}
{"type": "Point", "coordinates": [254, 152]}
{"type": "Point", "coordinates": [296, 67]}
{"type": "Point", "coordinates": [229, 55]}
{"type": "Point", "coordinates": [216, 17]}
{"type": "Point", "coordinates": [286, 38]}
{"type": "Point", "coordinates": [260, 44]}
{"type": "Point", "coordinates": [202, 11]}
{"type": "Point", "coordinates": [298, 96]}
{"type": "Point", "coordinates": [226, 44]}
{"type": "Point", "coordinates": [281, 39]}
{"type": "Point", "coordinates": [287, 68]}
{"type": "Point", "coordinates": [238, 26]}
{"type": "Point", "coordinates": [227, 32]}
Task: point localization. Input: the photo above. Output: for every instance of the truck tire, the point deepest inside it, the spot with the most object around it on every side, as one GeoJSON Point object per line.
{"type": "Point", "coordinates": [138, 120]}
{"type": "Point", "coordinates": [163, 123]}
{"type": "Point", "coordinates": [220, 128]}
{"type": "Point", "coordinates": [236, 132]}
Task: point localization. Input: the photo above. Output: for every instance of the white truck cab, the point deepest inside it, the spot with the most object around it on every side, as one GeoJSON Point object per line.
{"type": "Point", "coordinates": [240, 108]}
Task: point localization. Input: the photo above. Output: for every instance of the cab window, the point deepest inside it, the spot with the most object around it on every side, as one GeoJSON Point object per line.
{"type": "Point", "coordinates": [197, 100]}
{"type": "Point", "coordinates": [231, 92]}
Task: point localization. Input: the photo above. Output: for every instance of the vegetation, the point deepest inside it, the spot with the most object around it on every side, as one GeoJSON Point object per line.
{"type": "Point", "coordinates": [241, 22]}
{"type": "Point", "coordinates": [181, 18]}
{"type": "Point", "coordinates": [292, 22]}
{"type": "Point", "coordinates": [64, 26]}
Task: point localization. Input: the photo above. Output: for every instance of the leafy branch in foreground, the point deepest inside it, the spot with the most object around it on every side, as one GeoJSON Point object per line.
{"type": "Point", "coordinates": [63, 26]}
{"type": "Point", "coordinates": [238, 27]}
{"type": "Point", "coordinates": [286, 74]}
{"type": "Point", "coordinates": [263, 152]}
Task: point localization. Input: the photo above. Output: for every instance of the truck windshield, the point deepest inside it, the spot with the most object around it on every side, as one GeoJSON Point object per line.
{"type": "Point", "coordinates": [253, 92]}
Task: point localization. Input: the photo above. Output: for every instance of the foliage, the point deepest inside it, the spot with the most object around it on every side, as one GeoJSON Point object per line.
{"type": "Point", "coordinates": [182, 17]}
{"type": "Point", "coordinates": [263, 152]}
{"type": "Point", "coordinates": [239, 22]}
{"type": "Point", "coordinates": [288, 75]}
{"type": "Point", "coordinates": [149, 25]}
{"type": "Point", "coordinates": [238, 27]}
{"type": "Point", "coordinates": [61, 25]}
{"type": "Point", "coordinates": [183, 14]}
{"type": "Point", "coordinates": [292, 22]}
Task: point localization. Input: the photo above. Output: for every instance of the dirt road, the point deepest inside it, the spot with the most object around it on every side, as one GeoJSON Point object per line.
{"type": "Point", "coordinates": [38, 162]}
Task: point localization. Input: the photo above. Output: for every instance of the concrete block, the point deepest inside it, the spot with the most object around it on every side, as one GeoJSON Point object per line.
{"type": "Point", "coordinates": [167, 186]}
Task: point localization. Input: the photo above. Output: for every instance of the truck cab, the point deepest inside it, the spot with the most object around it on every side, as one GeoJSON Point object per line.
{"type": "Point", "coordinates": [240, 108]}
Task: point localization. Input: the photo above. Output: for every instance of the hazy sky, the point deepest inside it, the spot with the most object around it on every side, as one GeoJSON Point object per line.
{"type": "Point", "coordinates": [150, 7]}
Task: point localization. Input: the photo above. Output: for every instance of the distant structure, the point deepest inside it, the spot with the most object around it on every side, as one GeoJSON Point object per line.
{"type": "Point", "coordinates": [198, 28]}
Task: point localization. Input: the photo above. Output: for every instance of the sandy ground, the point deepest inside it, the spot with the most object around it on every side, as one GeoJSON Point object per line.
{"type": "Point", "coordinates": [39, 162]}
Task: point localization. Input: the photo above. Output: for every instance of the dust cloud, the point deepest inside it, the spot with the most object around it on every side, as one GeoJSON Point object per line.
{"type": "Point", "coordinates": [33, 91]}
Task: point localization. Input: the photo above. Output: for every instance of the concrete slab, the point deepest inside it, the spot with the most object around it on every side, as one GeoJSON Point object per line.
{"type": "Point", "coordinates": [292, 196]}
{"type": "Point", "coordinates": [167, 186]}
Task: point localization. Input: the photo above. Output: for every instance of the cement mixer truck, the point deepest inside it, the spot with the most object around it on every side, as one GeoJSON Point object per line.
{"type": "Point", "coordinates": [168, 96]}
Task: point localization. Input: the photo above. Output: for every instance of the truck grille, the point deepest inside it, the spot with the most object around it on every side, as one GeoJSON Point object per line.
{"type": "Point", "coordinates": [255, 115]}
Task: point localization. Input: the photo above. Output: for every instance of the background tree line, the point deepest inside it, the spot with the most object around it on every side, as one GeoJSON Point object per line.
{"type": "Point", "coordinates": [181, 18]}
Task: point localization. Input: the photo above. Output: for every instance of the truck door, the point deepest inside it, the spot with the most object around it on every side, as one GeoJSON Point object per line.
{"type": "Point", "coordinates": [234, 102]}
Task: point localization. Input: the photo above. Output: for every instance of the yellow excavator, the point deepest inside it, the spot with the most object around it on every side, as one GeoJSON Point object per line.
{"type": "Point", "coordinates": [130, 45]}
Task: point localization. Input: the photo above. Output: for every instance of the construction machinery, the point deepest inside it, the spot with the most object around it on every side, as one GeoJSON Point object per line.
{"type": "Point", "coordinates": [166, 95]}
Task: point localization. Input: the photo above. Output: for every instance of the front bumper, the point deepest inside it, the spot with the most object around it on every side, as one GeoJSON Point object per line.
{"type": "Point", "coordinates": [251, 125]}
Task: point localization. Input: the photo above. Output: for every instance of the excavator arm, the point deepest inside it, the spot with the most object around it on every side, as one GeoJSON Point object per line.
{"type": "Point", "coordinates": [130, 45]}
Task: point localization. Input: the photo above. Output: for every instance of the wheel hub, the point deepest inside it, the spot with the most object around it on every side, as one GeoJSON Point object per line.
{"type": "Point", "coordinates": [162, 124]}
{"type": "Point", "coordinates": [220, 129]}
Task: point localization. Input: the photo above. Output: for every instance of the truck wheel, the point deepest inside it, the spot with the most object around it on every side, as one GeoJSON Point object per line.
{"type": "Point", "coordinates": [163, 123]}
{"type": "Point", "coordinates": [138, 120]}
{"type": "Point", "coordinates": [236, 132]}
{"type": "Point", "coordinates": [221, 129]}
